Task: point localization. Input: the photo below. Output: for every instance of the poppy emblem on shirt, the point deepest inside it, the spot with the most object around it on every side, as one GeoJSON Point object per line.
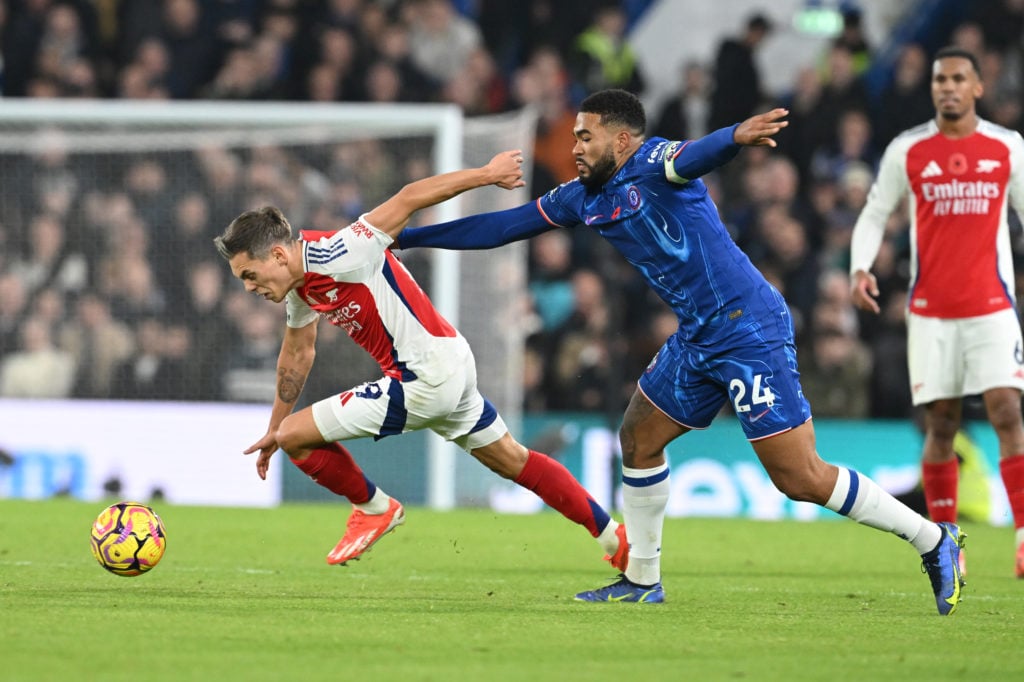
{"type": "Point", "coordinates": [633, 196]}
{"type": "Point", "coordinates": [957, 164]}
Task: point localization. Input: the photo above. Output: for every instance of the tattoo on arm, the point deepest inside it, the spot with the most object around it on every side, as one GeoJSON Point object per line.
{"type": "Point", "coordinates": [289, 384]}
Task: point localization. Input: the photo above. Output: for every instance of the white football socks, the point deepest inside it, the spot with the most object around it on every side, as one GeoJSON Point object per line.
{"type": "Point", "coordinates": [608, 540]}
{"type": "Point", "coordinates": [859, 498]}
{"type": "Point", "coordinates": [644, 499]}
{"type": "Point", "coordinates": [378, 504]}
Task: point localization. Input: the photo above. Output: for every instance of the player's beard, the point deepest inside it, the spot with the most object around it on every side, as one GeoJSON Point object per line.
{"type": "Point", "coordinates": [600, 172]}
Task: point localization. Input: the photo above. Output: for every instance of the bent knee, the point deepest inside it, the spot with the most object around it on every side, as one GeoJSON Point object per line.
{"type": "Point", "coordinates": [813, 484]}
{"type": "Point", "coordinates": [505, 457]}
{"type": "Point", "coordinates": [292, 440]}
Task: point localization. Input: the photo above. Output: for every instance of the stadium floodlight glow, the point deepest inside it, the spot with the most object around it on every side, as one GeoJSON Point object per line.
{"type": "Point", "coordinates": [817, 19]}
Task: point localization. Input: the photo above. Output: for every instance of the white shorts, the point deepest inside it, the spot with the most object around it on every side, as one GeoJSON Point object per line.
{"type": "Point", "coordinates": [952, 358]}
{"type": "Point", "coordinates": [454, 409]}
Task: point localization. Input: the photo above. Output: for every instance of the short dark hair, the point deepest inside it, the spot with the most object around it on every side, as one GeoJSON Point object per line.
{"type": "Point", "coordinates": [953, 51]}
{"type": "Point", "coordinates": [759, 22]}
{"type": "Point", "coordinates": [254, 233]}
{"type": "Point", "coordinates": [616, 106]}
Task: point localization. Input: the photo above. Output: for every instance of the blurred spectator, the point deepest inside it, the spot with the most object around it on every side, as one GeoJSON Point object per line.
{"type": "Point", "coordinates": [131, 288]}
{"type": "Point", "coordinates": [906, 100]}
{"type": "Point", "coordinates": [514, 30]}
{"type": "Point", "coordinates": [211, 332]}
{"type": "Point", "coordinates": [440, 39]}
{"type": "Point", "coordinates": [850, 193]}
{"type": "Point", "coordinates": [12, 310]}
{"type": "Point", "coordinates": [787, 252]}
{"type": "Point", "coordinates": [251, 372]}
{"type": "Point", "coordinates": [394, 49]}
{"type": "Point", "coordinates": [543, 83]}
{"type": "Point", "coordinates": [147, 184]}
{"type": "Point", "coordinates": [137, 21]}
{"type": "Point", "coordinates": [836, 376]}
{"type": "Point", "coordinates": [601, 58]}
{"type": "Point", "coordinates": [852, 145]}
{"type": "Point", "coordinates": [338, 52]}
{"type": "Point", "coordinates": [47, 261]}
{"type": "Point", "coordinates": [853, 38]}
{"type": "Point", "coordinates": [1001, 23]}
{"type": "Point", "coordinates": [805, 132]}
{"type": "Point", "coordinates": [969, 36]}
{"type": "Point", "coordinates": [64, 52]}
{"type": "Point", "coordinates": [185, 241]}
{"type": "Point", "coordinates": [889, 390]}
{"type": "Point", "coordinates": [341, 14]}
{"type": "Point", "coordinates": [23, 32]}
{"type": "Point", "coordinates": [478, 88]}
{"type": "Point", "coordinates": [737, 90]}
{"type": "Point", "coordinates": [382, 84]}
{"type": "Point", "coordinates": [37, 369]}
{"type": "Point", "coordinates": [684, 116]}
{"type": "Point", "coordinates": [149, 374]}
{"type": "Point", "coordinates": [191, 46]}
{"type": "Point", "coordinates": [98, 343]}
{"type": "Point", "coordinates": [843, 91]}
{"type": "Point", "coordinates": [220, 172]}
{"type": "Point", "coordinates": [550, 273]}
{"type": "Point", "coordinates": [580, 362]}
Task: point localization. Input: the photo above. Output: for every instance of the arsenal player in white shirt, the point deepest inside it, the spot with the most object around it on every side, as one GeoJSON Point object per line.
{"type": "Point", "coordinates": [350, 278]}
{"type": "Point", "coordinates": [960, 174]}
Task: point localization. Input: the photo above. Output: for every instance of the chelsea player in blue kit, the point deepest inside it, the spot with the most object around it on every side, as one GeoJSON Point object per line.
{"type": "Point", "coordinates": [734, 342]}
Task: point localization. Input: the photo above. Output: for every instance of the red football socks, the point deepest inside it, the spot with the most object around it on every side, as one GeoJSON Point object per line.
{"type": "Point", "coordinates": [1012, 469]}
{"type": "Point", "coordinates": [560, 490]}
{"type": "Point", "coordinates": [333, 467]}
{"type": "Point", "coordinates": [939, 481]}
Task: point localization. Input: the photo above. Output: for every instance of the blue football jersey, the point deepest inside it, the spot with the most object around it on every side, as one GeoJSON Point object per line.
{"type": "Point", "coordinates": [669, 229]}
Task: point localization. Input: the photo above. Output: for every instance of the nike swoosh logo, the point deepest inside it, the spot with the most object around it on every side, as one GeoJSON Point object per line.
{"type": "Point", "coordinates": [755, 418]}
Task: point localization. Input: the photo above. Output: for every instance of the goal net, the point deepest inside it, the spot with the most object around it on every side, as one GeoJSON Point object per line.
{"type": "Point", "coordinates": [107, 214]}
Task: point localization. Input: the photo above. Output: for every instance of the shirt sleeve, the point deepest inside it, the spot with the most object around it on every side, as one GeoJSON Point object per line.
{"type": "Point", "coordinates": [887, 190]}
{"type": "Point", "coordinates": [685, 161]}
{"type": "Point", "coordinates": [483, 231]}
{"type": "Point", "coordinates": [1015, 188]}
{"type": "Point", "coordinates": [297, 313]}
{"type": "Point", "coordinates": [349, 254]}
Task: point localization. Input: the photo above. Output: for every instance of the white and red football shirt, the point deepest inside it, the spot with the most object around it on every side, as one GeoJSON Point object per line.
{"type": "Point", "coordinates": [356, 283]}
{"type": "Point", "coordinates": [958, 191]}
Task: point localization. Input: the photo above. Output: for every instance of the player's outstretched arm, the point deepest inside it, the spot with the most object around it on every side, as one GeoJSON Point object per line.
{"type": "Point", "coordinates": [504, 170]}
{"type": "Point", "coordinates": [698, 157]}
{"type": "Point", "coordinates": [298, 350]}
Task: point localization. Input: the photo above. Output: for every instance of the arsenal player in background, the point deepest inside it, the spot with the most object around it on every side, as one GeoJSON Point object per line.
{"type": "Point", "coordinates": [960, 174]}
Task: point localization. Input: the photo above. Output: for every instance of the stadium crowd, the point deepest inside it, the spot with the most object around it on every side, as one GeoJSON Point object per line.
{"type": "Point", "coordinates": [111, 288]}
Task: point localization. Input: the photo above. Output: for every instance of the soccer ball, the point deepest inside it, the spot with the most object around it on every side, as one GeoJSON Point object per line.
{"type": "Point", "coordinates": [128, 538]}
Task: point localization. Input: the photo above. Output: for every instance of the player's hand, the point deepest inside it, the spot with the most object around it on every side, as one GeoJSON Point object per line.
{"type": "Point", "coordinates": [864, 291]}
{"type": "Point", "coordinates": [757, 131]}
{"type": "Point", "coordinates": [506, 169]}
{"type": "Point", "coordinates": [267, 447]}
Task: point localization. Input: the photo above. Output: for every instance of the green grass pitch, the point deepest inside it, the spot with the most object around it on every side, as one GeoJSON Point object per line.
{"type": "Point", "coordinates": [245, 594]}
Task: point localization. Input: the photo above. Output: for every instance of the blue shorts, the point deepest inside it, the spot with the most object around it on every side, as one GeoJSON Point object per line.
{"type": "Point", "coordinates": [758, 376]}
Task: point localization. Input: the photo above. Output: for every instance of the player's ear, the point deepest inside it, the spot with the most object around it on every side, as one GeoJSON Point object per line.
{"type": "Point", "coordinates": [623, 139]}
{"type": "Point", "coordinates": [279, 253]}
